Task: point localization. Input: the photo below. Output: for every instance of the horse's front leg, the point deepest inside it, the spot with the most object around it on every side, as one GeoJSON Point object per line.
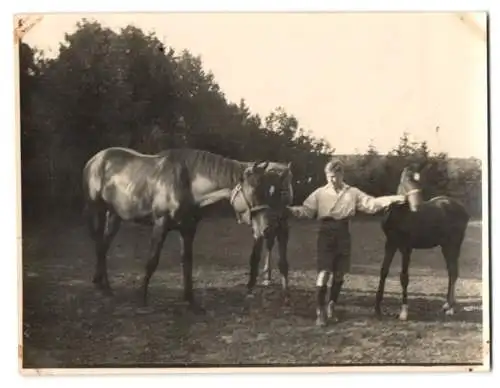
{"type": "Point", "coordinates": [283, 235]}
{"type": "Point", "coordinates": [254, 264]}
{"type": "Point", "coordinates": [188, 232]}
{"type": "Point", "coordinates": [451, 255]}
{"type": "Point", "coordinates": [267, 261]}
{"type": "Point", "coordinates": [160, 230]}
{"type": "Point", "coordinates": [404, 279]}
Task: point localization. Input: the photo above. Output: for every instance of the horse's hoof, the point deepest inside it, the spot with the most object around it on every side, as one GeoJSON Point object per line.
{"type": "Point", "coordinates": [330, 310]}
{"type": "Point", "coordinates": [104, 289]}
{"type": "Point", "coordinates": [107, 291]}
{"type": "Point", "coordinates": [403, 315]}
{"type": "Point", "coordinates": [321, 321]}
{"type": "Point", "coordinates": [197, 309]}
{"type": "Point", "coordinates": [144, 310]}
{"type": "Point", "coordinates": [450, 311]}
{"type": "Point", "coordinates": [250, 295]}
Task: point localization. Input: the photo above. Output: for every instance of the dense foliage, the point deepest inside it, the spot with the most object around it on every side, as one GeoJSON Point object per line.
{"type": "Point", "coordinates": [127, 88]}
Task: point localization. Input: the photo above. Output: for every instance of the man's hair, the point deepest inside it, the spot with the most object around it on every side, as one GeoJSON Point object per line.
{"type": "Point", "coordinates": [334, 165]}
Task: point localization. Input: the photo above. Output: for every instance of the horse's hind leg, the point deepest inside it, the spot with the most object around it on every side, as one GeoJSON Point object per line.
{"type": "Point", "coordinates": [160, 231]}
{"type": "Point", "coordinates": [108, 224]}
{"type": "Point", "coordinates": [188, 232]}
{"type": "Point", "coordinates": [451, 253]}
{"type": "Point", "coordinates": [390, 251]}
{"type": "Point", "coordinates": [267, 261]}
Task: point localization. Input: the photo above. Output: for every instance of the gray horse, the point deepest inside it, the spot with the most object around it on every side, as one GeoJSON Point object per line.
{"type": "Point", "coordinates": [167, 190]}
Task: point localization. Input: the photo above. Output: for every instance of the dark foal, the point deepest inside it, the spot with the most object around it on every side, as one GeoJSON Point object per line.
{"type": "Point", "coordinates": [167, 191]}
{"type": "Point", "coordinates": [278, 197]}
{"type": "Point", "coordinates": [280, 235]}
{"type": "Point", "coordinates": [418, 224]}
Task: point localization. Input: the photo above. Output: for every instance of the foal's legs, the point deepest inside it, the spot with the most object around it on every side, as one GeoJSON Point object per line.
{"type": "Point", "coordinates": [160, 230]}
{"type": "Point", "coordinates": [390, 251]}
{"type": "Point", "coordinates": [267, 260]}
{"type": "Point", "coordinates": [404, 279]}
{"type": "Point", "coordinates": [108, 224]}
{"type": "Point", "coordinates": [254, 264]}
{"type": "Point", "coordinates": [283, 235]}
{"type": "Point", "coordinates": [451, 254]}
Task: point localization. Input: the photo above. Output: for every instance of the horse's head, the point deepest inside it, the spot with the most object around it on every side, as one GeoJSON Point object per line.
{"type": "Point", "coordinates": [409, 186]}
{"type": "Point", "coordinates": [259, 196]}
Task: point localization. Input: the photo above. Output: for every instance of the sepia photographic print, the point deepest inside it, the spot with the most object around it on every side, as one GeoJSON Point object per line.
{"type": "Point", "coordinates": [253, 191]}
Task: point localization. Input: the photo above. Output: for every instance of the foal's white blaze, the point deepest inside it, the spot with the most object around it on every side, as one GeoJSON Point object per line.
{"type": "Point", "coordinates": [272, 189]}
{"type": "Point", "coordinates": [403, 315]}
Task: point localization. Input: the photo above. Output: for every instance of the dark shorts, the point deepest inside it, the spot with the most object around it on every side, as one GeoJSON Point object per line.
{"type": "Point", "coordinates": [334, 246]}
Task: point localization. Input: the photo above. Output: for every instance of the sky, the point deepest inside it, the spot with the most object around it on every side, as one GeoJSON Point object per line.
{"type": "Point", "coordinates": [352, 78]}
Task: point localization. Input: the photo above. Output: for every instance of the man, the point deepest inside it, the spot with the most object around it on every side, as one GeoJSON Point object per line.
{"type": "Point", "coordinates": [333, 204]}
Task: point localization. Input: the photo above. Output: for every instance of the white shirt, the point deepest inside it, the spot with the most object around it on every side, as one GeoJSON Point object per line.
{"type": "Point", "coordinates": [325, 201]}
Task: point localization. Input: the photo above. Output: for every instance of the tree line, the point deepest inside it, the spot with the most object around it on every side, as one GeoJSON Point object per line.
{"type": "Point", "coordinates": [127, 88]}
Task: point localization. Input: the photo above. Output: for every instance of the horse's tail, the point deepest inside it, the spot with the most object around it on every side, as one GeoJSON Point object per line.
{"type": "Point", "coordinates": [461, 211]}
{"type": "Point", "coordinates": [93, 173]}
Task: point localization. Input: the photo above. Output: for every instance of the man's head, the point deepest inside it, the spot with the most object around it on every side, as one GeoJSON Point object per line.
{"type": "Point", "coordinates": [334, 171]}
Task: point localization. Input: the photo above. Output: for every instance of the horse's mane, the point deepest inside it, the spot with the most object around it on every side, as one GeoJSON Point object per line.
{"type": "Point", "coordinates": [223, 171]}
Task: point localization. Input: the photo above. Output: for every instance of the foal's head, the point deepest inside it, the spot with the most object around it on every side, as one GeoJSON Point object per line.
{"type": "Point", "coordinates": [260, 196]}
{"type": "Point", "coordinates": [410, 186]}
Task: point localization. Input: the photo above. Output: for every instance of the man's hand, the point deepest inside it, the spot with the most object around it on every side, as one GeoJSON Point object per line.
{"type": "Point", "coordinates": [291, 212]}
{"type": "Point", "coordinates": [399, 199]}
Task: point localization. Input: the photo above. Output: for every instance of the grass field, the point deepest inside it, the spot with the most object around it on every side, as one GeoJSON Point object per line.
{"type": "Point", "coordinates": [67, 323]}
